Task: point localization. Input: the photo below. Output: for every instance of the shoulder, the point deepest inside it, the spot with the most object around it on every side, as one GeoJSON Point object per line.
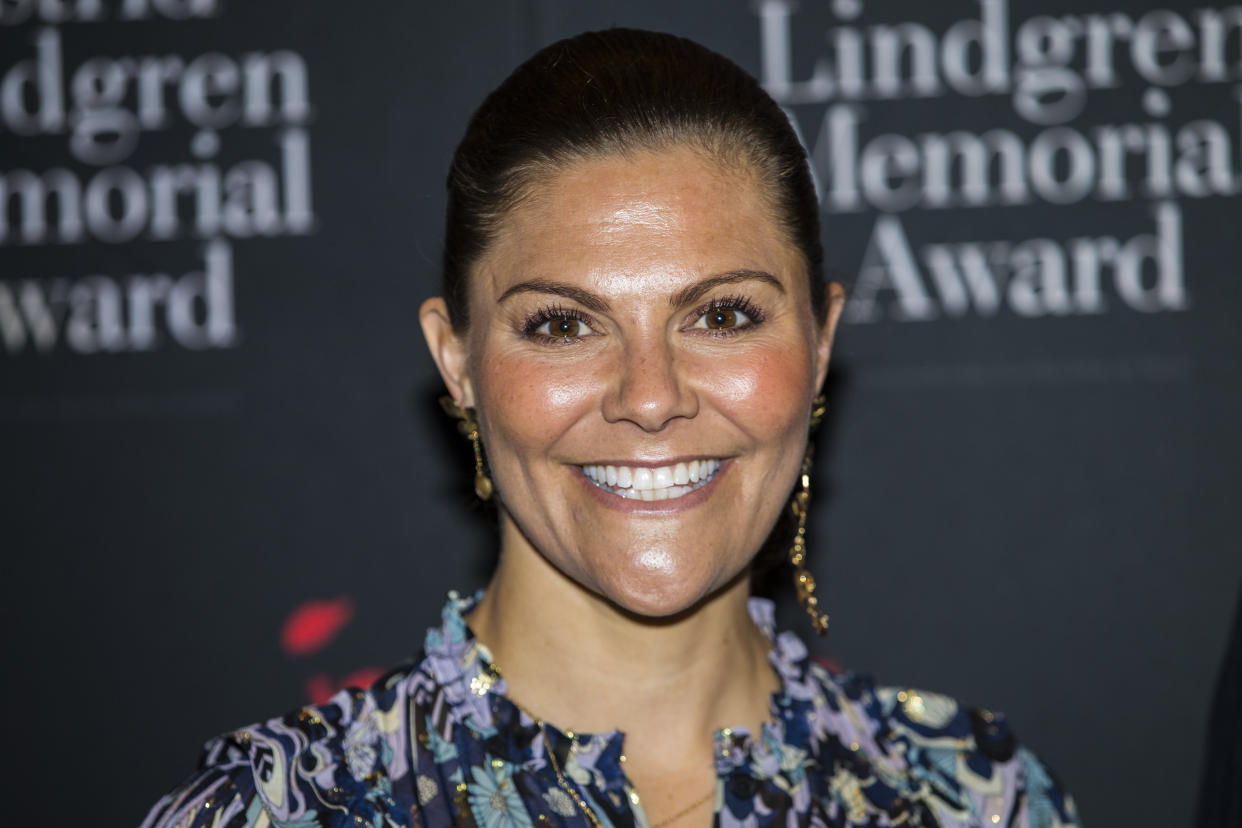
{"type": "Point", "coordinates": [964, 765]}
{"type": "Point", "coordinates": [305, 768]}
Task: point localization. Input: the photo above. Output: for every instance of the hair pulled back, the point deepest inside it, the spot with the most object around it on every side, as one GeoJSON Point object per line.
{"type": "Point", "coordinates": [618, 92]}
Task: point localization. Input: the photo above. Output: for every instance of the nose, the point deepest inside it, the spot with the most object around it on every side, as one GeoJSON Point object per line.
{"type": "Point", "coordinates": [650, 388]}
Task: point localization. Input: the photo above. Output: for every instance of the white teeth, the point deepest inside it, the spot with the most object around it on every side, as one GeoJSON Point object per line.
{"type": "Point", "coordinates": [646, 483]}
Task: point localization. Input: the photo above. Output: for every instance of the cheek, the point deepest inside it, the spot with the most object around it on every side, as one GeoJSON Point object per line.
{"type": "Point", "coordinates": [767, 387]}
{"type": "Point", "coordinates": [531, 402]}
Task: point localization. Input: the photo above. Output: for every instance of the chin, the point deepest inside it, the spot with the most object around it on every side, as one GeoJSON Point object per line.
{"type": "Point", "coordinates": [662, 593]}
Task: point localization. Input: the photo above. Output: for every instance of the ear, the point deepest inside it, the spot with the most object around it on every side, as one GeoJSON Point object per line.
{"type": "Point", "coordinates": [823, 348]}
{"type": "Point", "coordinates": [448, 349]}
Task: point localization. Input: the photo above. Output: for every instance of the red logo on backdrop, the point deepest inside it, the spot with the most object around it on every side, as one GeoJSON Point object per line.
{"type": "Point", "coordinates": [314, 624]}
{"type": "Point", "coordinates": [310, 628]}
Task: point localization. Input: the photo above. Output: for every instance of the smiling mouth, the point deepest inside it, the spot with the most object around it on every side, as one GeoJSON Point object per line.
{"type": "Point", "coordinates": [647, 483]}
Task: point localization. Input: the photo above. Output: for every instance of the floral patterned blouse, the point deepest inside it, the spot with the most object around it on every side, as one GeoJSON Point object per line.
{"type": "Point", "coordinates": [437, 743]}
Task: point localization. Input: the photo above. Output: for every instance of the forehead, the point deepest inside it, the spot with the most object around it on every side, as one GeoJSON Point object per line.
{"type": "Point", "coordinates": [639, 224]}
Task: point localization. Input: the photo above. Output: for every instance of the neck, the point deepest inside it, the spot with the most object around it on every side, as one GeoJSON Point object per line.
{"type": "Point", "coordinates": [579, 662]}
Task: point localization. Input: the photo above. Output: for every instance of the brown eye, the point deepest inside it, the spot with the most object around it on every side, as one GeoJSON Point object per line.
{"type": "Point", "coordinates": [724, 319]}
{"type": "Point", "coordinates": [564, 327]}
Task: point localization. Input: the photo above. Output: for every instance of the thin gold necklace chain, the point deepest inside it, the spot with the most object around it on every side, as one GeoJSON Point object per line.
{"type": "Point", "coordinates": [586, 809]}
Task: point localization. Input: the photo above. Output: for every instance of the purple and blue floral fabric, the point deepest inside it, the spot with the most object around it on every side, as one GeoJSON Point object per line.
{"type": "Point", "coordinates": [437, 743]}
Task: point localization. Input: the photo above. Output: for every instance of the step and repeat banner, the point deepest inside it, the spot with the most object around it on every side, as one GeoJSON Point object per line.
{"type": "Point", "coordinates": [227, 489]}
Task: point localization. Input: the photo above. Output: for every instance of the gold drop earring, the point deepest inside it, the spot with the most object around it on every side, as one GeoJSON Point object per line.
{"type": "Point", "coordinates": [804, 581]}
{"type": "Point", "coordinates": [468, 425]}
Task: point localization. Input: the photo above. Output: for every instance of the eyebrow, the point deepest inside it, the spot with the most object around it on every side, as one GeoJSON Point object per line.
{"type": "Point", "coordinates": [583, 297]}
{"type": "Point", "coordinates": [686, 296]}
{"type": "Point", "coordinates": [693, 293]}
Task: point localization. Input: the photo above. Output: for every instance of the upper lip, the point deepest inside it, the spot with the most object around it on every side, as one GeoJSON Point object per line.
{"type": "Point", "coordinates": [653, 464]}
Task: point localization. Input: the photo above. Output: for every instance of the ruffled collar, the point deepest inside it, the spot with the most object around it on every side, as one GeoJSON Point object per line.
{"type": "Point", "coordinates": [477, 697]}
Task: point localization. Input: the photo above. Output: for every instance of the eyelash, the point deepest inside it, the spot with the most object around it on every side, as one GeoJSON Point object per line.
{"type": "Point", "coordinates": [530, 327]}
{"type": "Point", "coordinates": [736, 302]}
{"type": "Point", "coordinates": [743, 304]}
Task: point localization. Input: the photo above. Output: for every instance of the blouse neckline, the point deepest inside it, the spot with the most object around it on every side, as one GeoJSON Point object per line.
{"type": "Point", "coordinates": [477, 692]}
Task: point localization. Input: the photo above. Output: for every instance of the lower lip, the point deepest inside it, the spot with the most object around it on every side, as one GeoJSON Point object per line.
{"type": "Point", "coordinates": [654, 507]}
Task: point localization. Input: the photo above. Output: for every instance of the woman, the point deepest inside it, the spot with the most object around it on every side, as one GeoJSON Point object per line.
{"type": "Point", "coordinates": [633, 332]}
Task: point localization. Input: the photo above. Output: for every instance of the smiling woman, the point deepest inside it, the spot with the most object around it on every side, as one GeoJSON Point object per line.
{"type": "Point", "coordinates": [634, 332]}
{"type": "Point", "coordinates": [668, 322]}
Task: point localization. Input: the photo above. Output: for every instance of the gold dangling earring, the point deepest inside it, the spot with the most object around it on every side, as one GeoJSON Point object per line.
{"type": "Point", "coordinates": [804, 581]}
{"type": "Point", "coordinates": [468, 425]}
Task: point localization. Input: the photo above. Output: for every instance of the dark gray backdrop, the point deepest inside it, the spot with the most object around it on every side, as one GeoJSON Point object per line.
{"type": "Point", "coordinates": [217, 406]}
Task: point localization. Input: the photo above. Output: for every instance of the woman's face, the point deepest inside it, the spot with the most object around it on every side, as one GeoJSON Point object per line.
{"type": "Point", "coordinates": [642, 354]}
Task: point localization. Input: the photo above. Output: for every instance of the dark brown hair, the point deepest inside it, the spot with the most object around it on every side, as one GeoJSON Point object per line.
{"type": "Point", "coordinates": [617, 92]}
